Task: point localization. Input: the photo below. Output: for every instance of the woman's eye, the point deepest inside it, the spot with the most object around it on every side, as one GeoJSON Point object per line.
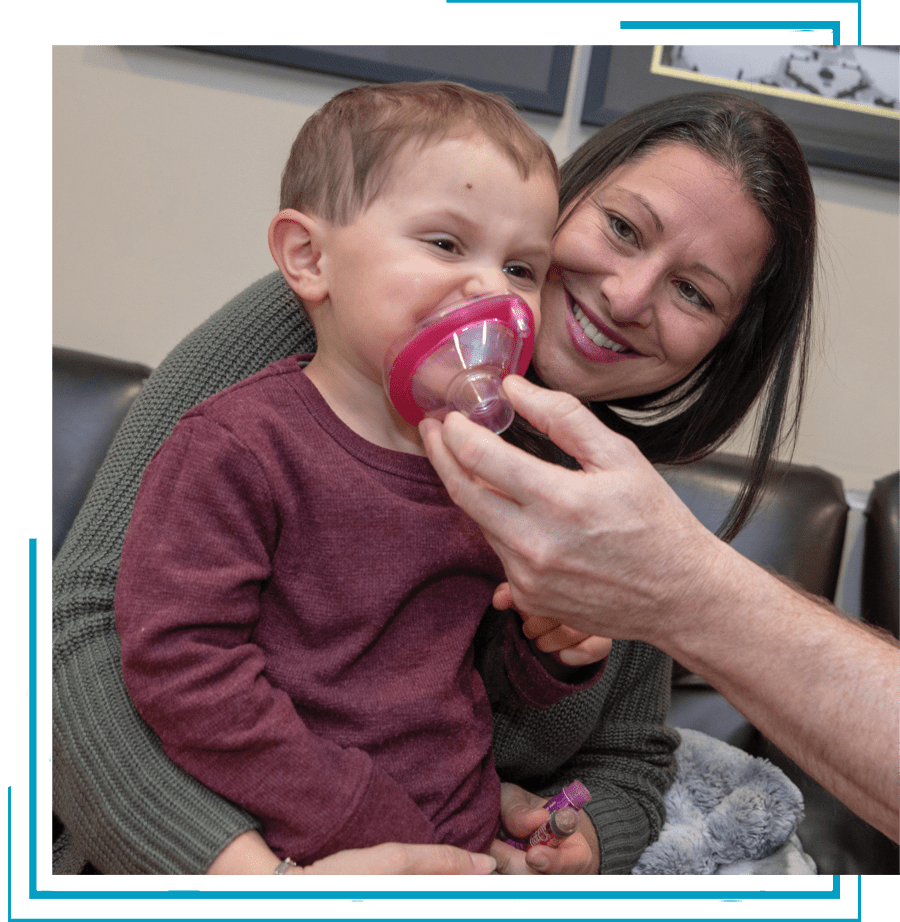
{"type": "Point", "coordinates": [691, 294]}
{"type": "Point", "coordinates": [622, 229]}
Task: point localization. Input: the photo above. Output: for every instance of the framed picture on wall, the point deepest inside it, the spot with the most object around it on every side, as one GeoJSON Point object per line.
{"type": "Point", "coordinates": [841, 102]}
{"type": "Point", "coordinates": [534, 77]}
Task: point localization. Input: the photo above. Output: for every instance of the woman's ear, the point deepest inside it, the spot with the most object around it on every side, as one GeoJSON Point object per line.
{"type": "Point", "coordinates": [295, 244]}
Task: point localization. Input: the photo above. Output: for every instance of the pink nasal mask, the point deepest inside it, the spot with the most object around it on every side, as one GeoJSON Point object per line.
{"type": "Point", "coordinates": [456, 358]}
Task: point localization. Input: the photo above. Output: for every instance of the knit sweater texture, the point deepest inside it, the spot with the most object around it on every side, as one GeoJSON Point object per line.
{"type": "Point", "coordinates": [129, 809]}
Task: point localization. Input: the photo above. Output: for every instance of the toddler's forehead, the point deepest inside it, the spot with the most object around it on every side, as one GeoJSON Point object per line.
{"type": "Point", "coordinates": [409, 172]}
{"type": "Point", "coordinates": [408, 155]}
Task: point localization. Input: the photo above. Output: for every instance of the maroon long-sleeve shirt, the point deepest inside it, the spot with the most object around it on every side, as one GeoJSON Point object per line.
{"type": "Point", "coordinates": [297, 608]}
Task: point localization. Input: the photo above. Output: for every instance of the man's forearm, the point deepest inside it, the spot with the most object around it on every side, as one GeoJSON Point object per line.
{"type": "Point", "coordinates": [610, 550]}
{"type": "Point", "coordinates": [821, 686]}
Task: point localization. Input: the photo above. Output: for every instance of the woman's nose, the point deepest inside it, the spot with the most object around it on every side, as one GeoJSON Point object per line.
{"type": "Point", "coordinates": [630, 296]}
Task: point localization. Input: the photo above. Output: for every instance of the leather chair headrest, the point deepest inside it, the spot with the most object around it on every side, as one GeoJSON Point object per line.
{"type": "Point", "coordinates": [91, 395]}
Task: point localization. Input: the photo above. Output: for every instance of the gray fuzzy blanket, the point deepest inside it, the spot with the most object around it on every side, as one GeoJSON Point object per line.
{"type": "Point", "coordinates": [727, 813]}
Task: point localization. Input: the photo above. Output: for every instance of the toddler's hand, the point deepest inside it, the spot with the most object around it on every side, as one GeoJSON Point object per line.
{"type": "Point", "coordinates": [571, 647]}
{"type": "Point", "coordinates": [522, 813]}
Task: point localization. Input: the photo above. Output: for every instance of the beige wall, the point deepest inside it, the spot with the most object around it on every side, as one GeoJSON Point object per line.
{"type": "Point", "coordinates": [166, 166]}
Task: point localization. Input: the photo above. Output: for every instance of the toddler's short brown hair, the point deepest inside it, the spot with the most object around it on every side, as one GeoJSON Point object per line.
{"type": "Point", "coordinates": [343, 154]}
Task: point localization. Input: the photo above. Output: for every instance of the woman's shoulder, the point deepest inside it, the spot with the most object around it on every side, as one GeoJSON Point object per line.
{"type": "Point", "coordinates": [263, 323]}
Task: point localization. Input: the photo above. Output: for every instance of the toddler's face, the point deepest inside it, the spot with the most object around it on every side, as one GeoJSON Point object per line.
{"type": "Point", "coordinates": [454, 222]}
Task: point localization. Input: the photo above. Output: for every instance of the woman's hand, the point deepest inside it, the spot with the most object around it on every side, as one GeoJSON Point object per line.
{"type": "Point", "coordinates": [522, 813]}
{"type": "Point", "coordinates": [249, 854]}
{"type": "Point", "coordinates": [396, 858]}
{"type": "Point", "coordinates": [609, 550]}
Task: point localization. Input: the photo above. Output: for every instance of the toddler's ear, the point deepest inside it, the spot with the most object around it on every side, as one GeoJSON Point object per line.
{"type": "Point", "coordinates": [295, 244]}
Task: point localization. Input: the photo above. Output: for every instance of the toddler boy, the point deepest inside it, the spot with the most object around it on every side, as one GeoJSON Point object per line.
{"type": "Point", "coordinates": [298, 595]}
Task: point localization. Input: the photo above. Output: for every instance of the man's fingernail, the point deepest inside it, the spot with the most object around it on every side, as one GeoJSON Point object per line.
{"type": "Point", "coordinates": [575, 658]}
{"type": "Point", "coordinates": [484, 864]}
{"type": "Point", "coordinates": [539, 863]}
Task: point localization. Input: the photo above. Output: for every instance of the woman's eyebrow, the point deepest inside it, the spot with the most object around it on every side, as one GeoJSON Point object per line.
{"type": "Point", "coordinates": [702, 267]}
{"type": "Point", "coordinates": [647, 206]}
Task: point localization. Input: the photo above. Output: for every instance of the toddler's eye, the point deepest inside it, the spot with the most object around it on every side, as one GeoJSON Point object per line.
{"type": "Point", "coordinates": [445, 243]}
{"type": "Point", "coordinates": [520, 271]}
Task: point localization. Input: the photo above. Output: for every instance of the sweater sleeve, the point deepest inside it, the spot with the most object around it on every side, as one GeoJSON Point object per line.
{"type": "Point", "coordinates": [617, 745]}
{"type": "Point", "coordinates": [196, 557]}
{"type": "Point", "coordinates": [127, 808]}
{"type": "Point", "coordinates": [628, 762]}
{"type": "Point", "coordinates": [515, 674]}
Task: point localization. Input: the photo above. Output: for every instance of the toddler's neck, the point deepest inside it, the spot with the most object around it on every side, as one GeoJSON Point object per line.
{"type": "Point", "coordinates": [363, 406]}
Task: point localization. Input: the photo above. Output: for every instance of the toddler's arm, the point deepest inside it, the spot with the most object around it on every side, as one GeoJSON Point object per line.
{"type": "Point", "coordinates": [196, 558]}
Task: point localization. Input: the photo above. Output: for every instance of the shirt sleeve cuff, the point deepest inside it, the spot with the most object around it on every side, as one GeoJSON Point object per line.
{"type": "Point", "coordinates": [538, 679]}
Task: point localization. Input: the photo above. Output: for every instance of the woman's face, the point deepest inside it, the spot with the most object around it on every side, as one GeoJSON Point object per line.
{"type": "Point", "coordinates": [649, 273]}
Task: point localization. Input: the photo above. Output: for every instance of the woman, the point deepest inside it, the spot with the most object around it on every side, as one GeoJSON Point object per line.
{"type": "Point", "coordinates": [681, 292]}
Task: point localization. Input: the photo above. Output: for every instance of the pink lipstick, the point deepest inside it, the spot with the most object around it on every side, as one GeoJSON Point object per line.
{"type": "Point", "coordinates": [593, 338]}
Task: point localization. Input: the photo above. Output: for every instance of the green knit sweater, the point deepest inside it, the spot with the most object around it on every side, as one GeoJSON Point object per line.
{"type": "Point", "coordinates": [129, 810]}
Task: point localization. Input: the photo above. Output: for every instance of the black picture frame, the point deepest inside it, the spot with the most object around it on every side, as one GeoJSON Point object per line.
{"type": "Point", "coordinates": [620, 79]}
{"type": "Point", "coordinates": [534, 77]}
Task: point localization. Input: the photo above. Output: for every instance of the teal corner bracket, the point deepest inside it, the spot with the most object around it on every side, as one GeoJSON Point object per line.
{"type": "Point", "coordinates": [834, 26]}
{"type": "Point", "coordinates": [721, 896]}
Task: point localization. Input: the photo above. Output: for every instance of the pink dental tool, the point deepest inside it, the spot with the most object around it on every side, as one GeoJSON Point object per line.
{"type": "Point", "coordinates": [456, 358]}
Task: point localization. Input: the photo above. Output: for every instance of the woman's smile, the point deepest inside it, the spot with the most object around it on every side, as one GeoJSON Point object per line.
{"type": "Point", "coordinates": [602, 340]}
{"type": "Point", "coordinates": [649, 273]}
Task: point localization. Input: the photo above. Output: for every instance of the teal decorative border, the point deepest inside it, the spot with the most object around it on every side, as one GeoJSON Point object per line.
{"type": "Point", "coordinates": [34, 893]}
{"type": "Point", "coordinates": [726, 24]}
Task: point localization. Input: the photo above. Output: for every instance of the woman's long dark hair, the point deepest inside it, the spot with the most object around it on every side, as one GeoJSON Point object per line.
{"type": "Point", "coordinates": [765, 353]}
